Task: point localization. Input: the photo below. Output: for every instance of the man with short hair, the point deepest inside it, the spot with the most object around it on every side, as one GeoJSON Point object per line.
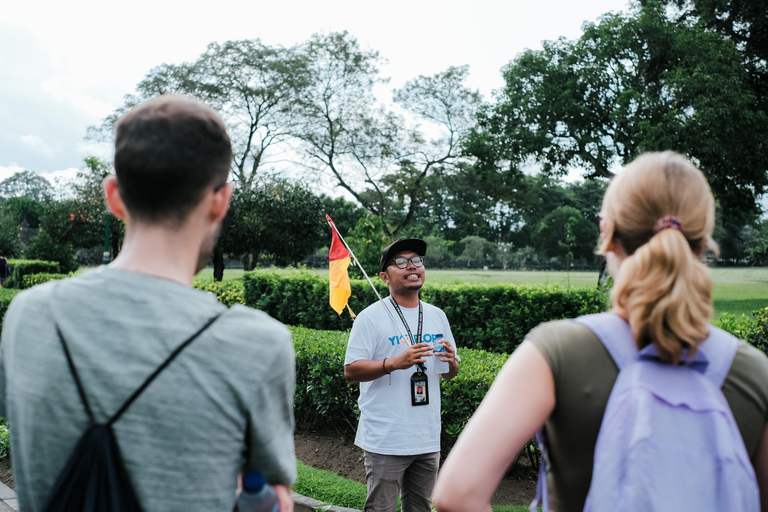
{"type": "Point", "coordinates": [224, 405]}
{"type": "Point", "coordinates": [399, 428]}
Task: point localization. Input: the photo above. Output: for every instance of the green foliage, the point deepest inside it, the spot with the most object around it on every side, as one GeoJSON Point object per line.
{"type": "Point", "coordinates": [754, 330]}
{"type": "Point", "coordinates": [323, 397]}
{"type": "Point", "coordinates": [26, 184]}
{"type": "Point", "coordinates": [5, 439]}
{"type": "Point", "coordinates": [566, 230]}
{"type": "Point", "coordinates": [367, 241]}
{"type": "Point", "coordinates": [228, 292]}
{"type": "Point", "coordinates": [21, 268]}
{"type": "Point", "coordinates": [477, 251]}
{"type": "Point", "coordinates": [10, 242]}
{"type": "Point", "coordinates": [24, 209]}
{"type": "Point", "coordinates": [462, 395]}
{"type": "Point", "coordinates": [330, 488]}
{"type": "Point", "coordinates": [43, 247]}
{"type": "Point", "coordinates": [494, 318]}
{"type": "Point", "coordinates": [30, 280]}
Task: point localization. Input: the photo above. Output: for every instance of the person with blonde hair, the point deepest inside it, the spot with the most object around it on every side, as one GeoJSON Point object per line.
{"type": "Point", "coordinates": [657, 219]}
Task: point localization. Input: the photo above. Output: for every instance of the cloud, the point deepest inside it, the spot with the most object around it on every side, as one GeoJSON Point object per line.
{"type": "Point", "coordinates": [7, 172]}
{"type": "Point", "coordinates": [38, 144]}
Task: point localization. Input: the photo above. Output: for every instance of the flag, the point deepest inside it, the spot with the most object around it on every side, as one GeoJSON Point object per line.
{"type": "Point", "coordinates": [338, 258]}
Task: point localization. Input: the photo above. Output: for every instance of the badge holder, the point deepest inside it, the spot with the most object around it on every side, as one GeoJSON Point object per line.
{"type": "Point", "coordinates": [419, 388]}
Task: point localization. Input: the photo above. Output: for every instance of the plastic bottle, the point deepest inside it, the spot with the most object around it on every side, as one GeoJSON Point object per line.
{"type": "Point", "coordinates": [257, 495]}
{"type": "Point", "coordinates": [439, 351]}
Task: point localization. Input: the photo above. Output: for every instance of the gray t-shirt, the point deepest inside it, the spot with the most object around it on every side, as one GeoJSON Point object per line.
{"type": "Point", "coordinates": [223, 405]}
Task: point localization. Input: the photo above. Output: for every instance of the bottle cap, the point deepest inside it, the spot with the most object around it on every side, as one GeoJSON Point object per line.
{"type": "Point", "coordinates": [253, 481]}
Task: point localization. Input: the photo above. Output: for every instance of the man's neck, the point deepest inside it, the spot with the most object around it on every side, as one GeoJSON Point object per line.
{"type": "Point", "coordinates": [410, 300]}
{"type": "Point", "coordinates": [159, 252]}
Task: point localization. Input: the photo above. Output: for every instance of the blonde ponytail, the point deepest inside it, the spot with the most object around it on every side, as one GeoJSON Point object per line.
{"type": "Point", "coordinates": [663, 286]}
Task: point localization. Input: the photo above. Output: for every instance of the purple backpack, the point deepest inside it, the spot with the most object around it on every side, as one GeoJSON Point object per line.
{"type": "Point", "coordinates": [668, 440]}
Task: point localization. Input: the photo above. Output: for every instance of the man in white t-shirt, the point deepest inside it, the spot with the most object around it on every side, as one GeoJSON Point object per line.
{"type": "Point", "coordinates": [399, 428]}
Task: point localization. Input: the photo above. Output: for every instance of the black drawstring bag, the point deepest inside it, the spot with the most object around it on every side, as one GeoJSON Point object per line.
{"type": "Point", "coordinates": [94, 478]}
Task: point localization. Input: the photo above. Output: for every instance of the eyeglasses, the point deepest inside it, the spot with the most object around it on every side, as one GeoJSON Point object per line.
{"type": "Point", "coordinates": [401, 262]}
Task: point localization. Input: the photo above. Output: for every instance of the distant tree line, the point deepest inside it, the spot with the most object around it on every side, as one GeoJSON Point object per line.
{"type": "Point", "coordinates": [481, 181]}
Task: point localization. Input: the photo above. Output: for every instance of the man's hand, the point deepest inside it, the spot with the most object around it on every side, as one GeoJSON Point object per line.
{"type": "Point", "coordinates": [412, 355]}
{"type": "Point", "coordinates": [450, 357]}
{"type": "Point", "coordinates": [284, 497]}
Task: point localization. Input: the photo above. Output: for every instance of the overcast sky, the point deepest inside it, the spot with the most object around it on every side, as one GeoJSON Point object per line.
{"type": "Point", "coordinates": [65, 65]}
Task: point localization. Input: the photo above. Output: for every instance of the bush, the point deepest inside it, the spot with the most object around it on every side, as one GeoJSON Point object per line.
{"type": "Point", "coordinates": [6, 296]}
{"type": "Point", "coordinates": [43, 247]}
{"type": "Point", "coordinates": [753, 330]}
{"type": "Point", "coordinates": [493, 318]}
{"type": "Point", "coordinates": [325, 399]}
{"type": "Point", "coordinates": [30, 280]}
{"type": "Point", "coordinates": [20, 268]}
{"type": "Point", "coordinates": [228, 292]}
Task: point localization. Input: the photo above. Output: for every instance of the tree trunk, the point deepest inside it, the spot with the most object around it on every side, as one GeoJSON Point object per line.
{"type": "Point", "coordinates": [248, 261]}
{"type": "Point", "coordinates": [218, 264]}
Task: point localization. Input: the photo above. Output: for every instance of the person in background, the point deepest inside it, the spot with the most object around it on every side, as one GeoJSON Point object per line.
{"type": "Point", "coordinates": [657, 219]}
{"type": "Point", "coordinates": [399, 428]}
{"type": "Point", "coordinates": [224, 405]}
{"type": "Point", "coordinates": [5, 269]}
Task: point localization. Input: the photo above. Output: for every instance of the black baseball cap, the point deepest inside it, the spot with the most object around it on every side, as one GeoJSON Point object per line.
{"type": "Point", "coordinates": [416, 245]}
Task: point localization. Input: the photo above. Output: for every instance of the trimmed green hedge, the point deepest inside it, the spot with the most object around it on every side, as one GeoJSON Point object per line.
{"type": "Point", "coordinates": [228, 292]}
{"type": "Point", "coordinates": [20, 268]}
{"type": "Point", "coordinates": [325, 399]}
{"type": "Point", "coordinates": [30, 280]}
{"type": "Point", "coordinates": [493, 318]}
{"type": "Point", "coordinates": [753, 329]}
{"type": "Point", "coordinates": [6, 296]}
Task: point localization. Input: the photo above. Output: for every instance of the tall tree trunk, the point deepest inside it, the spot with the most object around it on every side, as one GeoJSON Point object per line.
{"type": "Point", "coordinates": [218, 264]}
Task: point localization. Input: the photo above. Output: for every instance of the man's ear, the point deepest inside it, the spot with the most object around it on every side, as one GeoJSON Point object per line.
{"type": "Point", "coordinates": [220, 202]}
{"type": "Point", "coordinates": [114, 201]}
{"type": "Point", "coordinates": [384, 277]}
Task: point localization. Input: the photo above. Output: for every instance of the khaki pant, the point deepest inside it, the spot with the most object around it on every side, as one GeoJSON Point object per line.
{"type": "Point", "coordinates": [411, 476]}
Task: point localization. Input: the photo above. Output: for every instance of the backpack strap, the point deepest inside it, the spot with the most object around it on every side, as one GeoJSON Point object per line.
{"type": "Point", "coordinates": [720, 350]}
{"type": "Point", "coordinates": [615, 334]}
{"type": "Point", "coordinates": [141, 388]}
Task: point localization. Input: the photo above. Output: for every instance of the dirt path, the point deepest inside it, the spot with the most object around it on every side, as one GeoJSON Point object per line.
{"type": "Point", "coordinates": [335, 453]}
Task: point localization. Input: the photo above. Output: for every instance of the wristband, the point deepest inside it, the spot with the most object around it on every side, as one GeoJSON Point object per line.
{"type": "Point", "coordinates": [383, 362]}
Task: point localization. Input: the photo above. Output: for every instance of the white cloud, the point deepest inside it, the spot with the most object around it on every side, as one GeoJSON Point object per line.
{"type": "Point", "coordinates": [38, 144]}
{"type": "Point", "coordinates": [7, 172]}
{"type": "Point", "coordinates": [63, 176]}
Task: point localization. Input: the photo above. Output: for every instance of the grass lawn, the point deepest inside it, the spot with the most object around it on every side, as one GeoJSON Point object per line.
{"type": "Point", "coordinates": [735, 290]}
{"type": "Point", "coordinates": [332, 489]}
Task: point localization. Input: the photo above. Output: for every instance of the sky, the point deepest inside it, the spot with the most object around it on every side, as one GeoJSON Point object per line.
{"type": "Point", "coordinates": [64, 66]}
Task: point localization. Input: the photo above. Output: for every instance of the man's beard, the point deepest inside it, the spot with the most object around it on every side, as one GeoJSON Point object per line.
{"type": "Point", "coordinates": [206, 249]}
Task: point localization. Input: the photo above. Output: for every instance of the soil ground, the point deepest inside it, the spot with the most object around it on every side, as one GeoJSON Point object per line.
{"type": "Point", "coordinates": [337, 453]}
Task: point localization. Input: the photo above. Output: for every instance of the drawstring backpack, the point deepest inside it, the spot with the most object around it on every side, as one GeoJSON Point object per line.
{"type": "Point", "coordinates": [668, 440]}
{"type": "Point", "coordinates": [94, 478]}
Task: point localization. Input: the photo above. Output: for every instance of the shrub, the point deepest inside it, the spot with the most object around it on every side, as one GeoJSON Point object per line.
{"type": "Point", "coordinates": [493, 318]}
{"type": "Point", "coordinates": [6, 296]}
{"type": "Point", "coordinates": [43, 247]}
{"type": "Point", "coordinates": [20, 268]}
{"type": "Point", "coordinates": [30, 280]}
{"type": "Point", "coordinates": [325, 399]}
{"type": "Point", "coordinates": [753, 330]}
{"type": "Point", "coordinates": [228, 292]}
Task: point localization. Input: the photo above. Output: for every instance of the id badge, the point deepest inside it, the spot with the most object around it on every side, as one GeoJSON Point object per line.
{"type": "Point", "coordinates": [419, 389]}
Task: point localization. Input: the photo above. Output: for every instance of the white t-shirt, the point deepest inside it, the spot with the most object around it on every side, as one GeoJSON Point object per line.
{"type": "Point", "coordinates": [389, 424]}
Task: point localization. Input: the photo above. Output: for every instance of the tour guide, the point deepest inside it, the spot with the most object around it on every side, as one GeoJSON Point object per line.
{"type": "Point", "coordinates": [399, 428]}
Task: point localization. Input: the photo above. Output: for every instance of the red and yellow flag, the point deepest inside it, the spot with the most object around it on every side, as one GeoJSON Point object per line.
{"type": "Point", "coordinates": [339, 262]}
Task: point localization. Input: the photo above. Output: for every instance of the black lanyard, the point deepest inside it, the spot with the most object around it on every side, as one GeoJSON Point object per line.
{"type": "Point", "coordinates": [408, 329]}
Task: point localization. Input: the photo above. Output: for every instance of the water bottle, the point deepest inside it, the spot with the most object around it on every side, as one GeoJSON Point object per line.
{"type": "Point", "coordinates": [439, 351]}
{"type": "Point", "coordinates": [257, 495]}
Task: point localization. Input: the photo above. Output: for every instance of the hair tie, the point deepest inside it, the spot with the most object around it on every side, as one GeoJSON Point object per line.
{"type": "Point", "coordinates": [666, 222]}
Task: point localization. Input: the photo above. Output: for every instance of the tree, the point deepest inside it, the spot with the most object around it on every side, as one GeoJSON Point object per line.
{"type": "Point", "coordinates": [274, 217]}
{"type": "Point", "coordinates": [253, 86]}
{"type": "Point", "coordinates": [10, 243]}
{"type": "Point", "coordinates": [476, 249]}
{"type": "Point", "coordinates": [26, 184]}
{"type": "Point", "coordinates": [630, 84]}
{"type": "Point", "coordinates": [367, 241]}
{"type": "Point", "coordinates": [370, 152]}
{"type": "Point", "coordinates": [565, 232]}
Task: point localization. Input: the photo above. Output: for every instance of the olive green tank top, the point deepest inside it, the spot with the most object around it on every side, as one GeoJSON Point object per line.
{"type": "Point", "coordinates": [584, 373]}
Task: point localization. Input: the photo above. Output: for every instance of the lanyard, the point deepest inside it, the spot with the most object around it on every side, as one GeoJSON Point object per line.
{"type": "Point", "coordinates": [408, 329]}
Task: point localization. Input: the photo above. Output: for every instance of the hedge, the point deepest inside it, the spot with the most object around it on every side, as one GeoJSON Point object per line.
{"type": "Point", "coordinates": [325, 399]}
{"type": "Point", "coordinates": [20, 268]}
{"type": "Point", "coordinates": [492, 318]}
{"type": "Point", "coordinates": [228, 292]}
{"type": "Point", "coordinates": [30, 280]}
{"type": "Point", "coordinates": [753, 329]}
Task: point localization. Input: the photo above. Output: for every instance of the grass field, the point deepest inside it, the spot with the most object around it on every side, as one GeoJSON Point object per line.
{"type": "Point", "coordinates": [735, 290]}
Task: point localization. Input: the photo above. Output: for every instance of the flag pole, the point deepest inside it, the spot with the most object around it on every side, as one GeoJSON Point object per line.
{"type": "Point", "coordinates": [381, 300]}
